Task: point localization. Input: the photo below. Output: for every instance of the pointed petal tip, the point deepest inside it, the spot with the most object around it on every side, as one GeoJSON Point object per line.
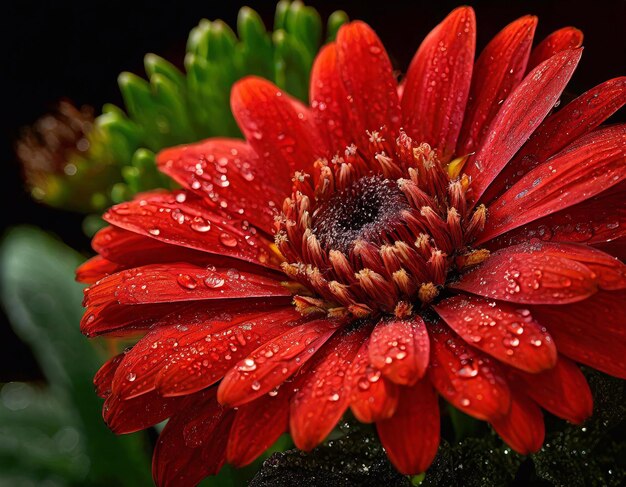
{"type": "Point", "coordinates": [248, 88]}
{"type": "Point", "coordinates": [522, 428]}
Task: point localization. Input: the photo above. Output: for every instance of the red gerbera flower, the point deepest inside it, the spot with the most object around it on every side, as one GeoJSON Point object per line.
{"type": "Point", "coordinates": [447, 236]}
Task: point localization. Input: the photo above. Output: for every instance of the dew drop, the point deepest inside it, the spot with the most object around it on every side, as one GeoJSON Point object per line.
{"type": "Point", "coordinates": [187, 281]}
{"type": "Point", "coordinates": [200, 225]}
{"type": "Point", "coordinates": [363, 384]}
{"type": "Point", "coordinates": [373, 376]}
{"type": "Point", "coordinates": [214, 280]}
{"type": "Point", "coordinates": [228, 240]}
{"type": "Point", "coordinates": [468, 371]}
{"type": "Point", "coordinates": [248, 366]}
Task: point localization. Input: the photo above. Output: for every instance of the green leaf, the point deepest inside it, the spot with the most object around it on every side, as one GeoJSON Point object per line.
{"type": "Point", "coordinates": [255, 49]}
{"type": "Point", "coordinates": [292, 64]}
{"type": "Point", "coordinates": [335, 20]}
{"type": "Point", "coordinates": [43, 303]}
{"type": "Point", "coordinates": [157, 65]}
{"type": "Point", "coordinates": [39, 437]}
{"type": "Point", "coordinates": [305, 24]}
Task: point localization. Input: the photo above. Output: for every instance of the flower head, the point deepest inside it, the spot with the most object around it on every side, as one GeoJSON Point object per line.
{"type": "Point", "coordinates": [389, 244]}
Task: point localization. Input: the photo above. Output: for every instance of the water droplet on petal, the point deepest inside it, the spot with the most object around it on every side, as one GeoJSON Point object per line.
{"type": "Point", "coordinates": [468, 371]}
{"type": "Point", "coordinates": [200, 225]}
{"type": "Point", "coordinates": [213, 280]}
{"type": "Point", "coordinates": [248, 366]}
{"type": "Point", "coordinates": [187, 281]}
{"type": "Point", "coordinates": [228, 240]}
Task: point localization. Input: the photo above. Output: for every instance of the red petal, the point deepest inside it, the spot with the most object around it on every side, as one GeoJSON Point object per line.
{"type": "Point", "coordinates": [411, 436]}
{"type": "Point", "coordinates": [229, 174]}
{"type": "Point", "coordinates": [257, 426]}
{"type": "Point", "coordinates": [324, 394]}
{"type": "Point", "coordinates": [557, 131]}
{"type": "Point", "coordinates": [467, 378]}
{"type": "Point", "coordinates": [193, 349]}
{"type": "Point", "coordinates": [438, 82]}
{"type": "Point", "coordinates": [194, 366]}
{"type": "Point", "coordinates": [499, 69]}
{"type": "Point", "coordinates": [610, 272]}
{"type": "Point", "coordinates": [103, 378]}
{"type": "Point", "coordinates": [132, 250]}
{"type": "Point", "coordinates": [182, 219]}
{"type": "Point", "coordinates": [129, 415]}
{"type": "Point", "coordinates": [327, 97]}
{"type": "Point", "coordinates": [560, 40]}
{"type": "Point", "coordinates": [530, 273]}
{"type": "Point", "coordinates": [562, 390]}
{"type": "Point", "coordinates": [167, 283]}
{"type": "Point", "coordinates": [372, 397]}
{"type": "Point", "coordinates": [192, 445]}
{"type": "Point", "coordinates": [591, 332]}
{"type": "Point", "coordinates": [279, 129]}
{"type": "Point", "coordinates": [368, 79]}
{"type": "Point", "coordinates": [400, 349]}
{"type": "Point", "coordinates": [271, 364]}
{"type": "Point", "coordinates": [523, 428]}
{"type": "Point", "coordinates": [129, 249]}
{"type": "Point", "coordinates": [94, 269]}
{"type": "Point", "coordinates": [114, 319]}
{"type": "Point", "coordinates": [591, 165]}
{"type": "Point", "coordinates": [520, 115]}
{"type": "Point", "coordinates": [509, 334]}
{"type": "Point", "coordinates": [595, 221]}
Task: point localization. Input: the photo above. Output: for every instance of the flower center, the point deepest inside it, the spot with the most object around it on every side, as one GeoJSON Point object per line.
{"type": "Point", "coordinates": [377, 230]}
{"type": "Point", "coordinates": [367, 210]}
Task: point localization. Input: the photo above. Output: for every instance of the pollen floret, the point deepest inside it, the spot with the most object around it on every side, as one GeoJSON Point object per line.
{"type": "Point", "coordinates": [378, 228]}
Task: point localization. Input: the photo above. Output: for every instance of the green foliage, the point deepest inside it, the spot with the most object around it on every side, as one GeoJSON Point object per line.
{"type": "Point", "coordinates": [56, 433]}
{"type": "Point", "coordinates": [172, 107]}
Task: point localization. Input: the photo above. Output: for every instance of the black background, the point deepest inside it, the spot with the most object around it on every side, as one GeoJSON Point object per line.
{"type": "Point", "coordinates": [74, 49]}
